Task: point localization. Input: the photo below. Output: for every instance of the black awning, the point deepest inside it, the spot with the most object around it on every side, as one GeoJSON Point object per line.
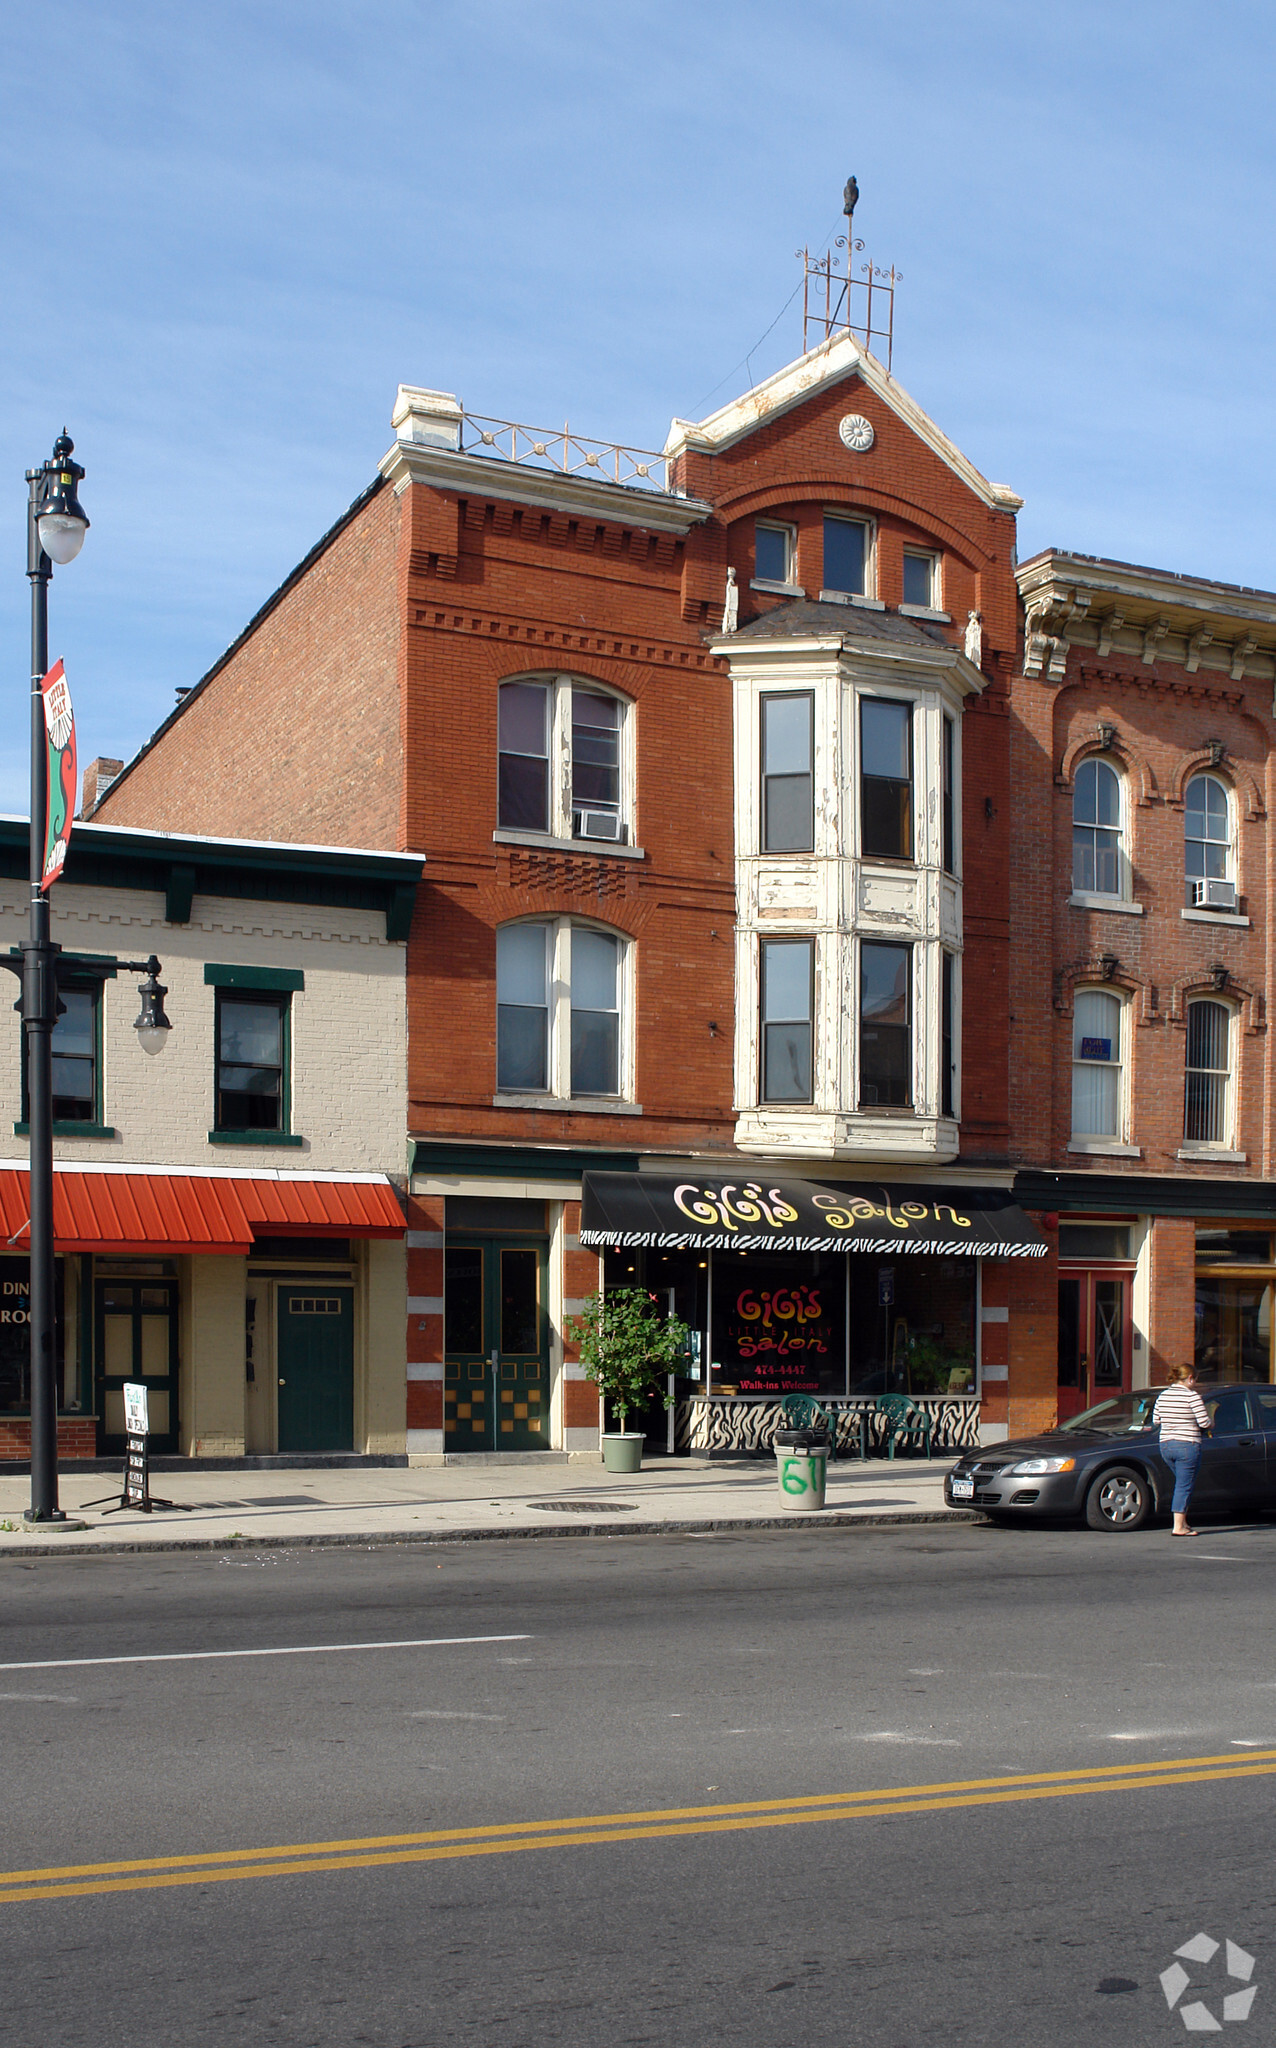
{"type": "Point", "coordinates": [707, 1212]}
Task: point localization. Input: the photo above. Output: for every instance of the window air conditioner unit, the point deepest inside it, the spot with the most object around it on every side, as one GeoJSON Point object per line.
{"type": "Point", "coordinates": [1212, 895]}
{"type": "Point", "coordinates": [598, 825]}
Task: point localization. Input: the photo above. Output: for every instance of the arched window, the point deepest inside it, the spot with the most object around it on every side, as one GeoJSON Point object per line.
{"type": "Point", "coordinates": [1098, 1060]}
{"type": "Point", "coordinates": [1207, 1108]}
{"type": "Point", "coordinates": [1207, 828]}
{"type": "Point", "coordinates": [1098, 863]}
{"type": "Point", "coordinates": [560, 1010]}
{"type": "Point", "coordinates": [563, 719]}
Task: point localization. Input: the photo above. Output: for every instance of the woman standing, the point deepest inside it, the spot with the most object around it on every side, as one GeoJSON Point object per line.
{"type": "Point", "coordinates": [1183, 1419]}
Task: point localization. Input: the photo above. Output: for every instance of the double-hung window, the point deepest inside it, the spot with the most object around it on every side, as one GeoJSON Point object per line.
{"type": "Point", "coordinates": [774, 553]}
{"type": "Point", "coordinates": [252, 1064]}
{"type": "Point", "coordinates": [77, 1061]}
{"type": "Point", "coordinates": [563, 721]}
{"type": "Point", "coordinates": [1207, 1111]}
{"type": "Point", "coordinates": [1207, 835]}
{"type": "Point", "coordinates": [886, 779]}
{"type": "Point", "coordinates": [788, 808]}
{"type": "Point", "coordinates": [846, 556]}
{"type": "Point", "coordinates": [560, 1001]}
{"type": "Point", "coordinates": [787, 1002]}
{"type": "Point", "coordinates": [948, 1037]}
{"type": "Point", "coordinates": [1097, 865]}
{"type": "Point", "coordinates": [886, 1036]}
{"type": "Point", "coordinates": [1098, 1021]}
{"type": "Point", "coordinates": [921, 580]}
{"type": "Point", "coordinates": [948, 796]}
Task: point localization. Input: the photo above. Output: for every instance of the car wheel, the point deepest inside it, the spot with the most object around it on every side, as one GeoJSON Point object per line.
{"type": "Point", "coordinates": [1119, 1500]}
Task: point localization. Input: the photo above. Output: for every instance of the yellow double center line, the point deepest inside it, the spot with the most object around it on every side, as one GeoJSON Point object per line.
{"type": "Point", "coordinates": [302, 1859]}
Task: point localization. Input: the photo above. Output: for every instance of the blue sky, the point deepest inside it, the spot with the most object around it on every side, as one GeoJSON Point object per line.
{"type": "Point", "coordinates": [228, 232]}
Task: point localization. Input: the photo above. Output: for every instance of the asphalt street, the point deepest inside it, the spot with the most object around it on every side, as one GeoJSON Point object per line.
{"type": "Point", "coordinates": [804, 1787]}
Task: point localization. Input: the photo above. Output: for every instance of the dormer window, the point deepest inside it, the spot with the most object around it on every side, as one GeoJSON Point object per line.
{"type": "Point", "coordinates": [921, 580]}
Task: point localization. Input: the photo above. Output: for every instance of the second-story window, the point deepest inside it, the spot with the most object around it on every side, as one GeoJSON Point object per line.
{"type": "Point", "coordinates": [77, 1047]}
{"type": "Point", "coordinates": [787, 978]}
{"type": "Point", "coordinates": [559, 1010]}
{"type": "Point", "coordinates": [1097, 1064]}
{"type": "Point", "coordinates": [845, 556]}
{"type": "Point", "coordinates": [788, 809]}
{"type": "Point", "coordinates": [948, 796]}
{"type": "Point", "coordinates": [252, 1049]}
{"type": "Point", "coordinates": [522, 1008]}
{"type": "Point", "coordinates": [921, 580]}
{"type": "Point", "coordinates": [541, 723]}
{"type": "Point", "coordinates": [1207, 1117]}
{"type": "Point", "coordinates": [886, 1037]}
{"type": "Point", "coordinates": [1097, 864]}
{"type": "Point", "coordinates": [886, 779]}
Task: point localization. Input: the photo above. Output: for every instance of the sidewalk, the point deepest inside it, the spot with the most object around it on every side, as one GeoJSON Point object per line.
{"type": "Point", "coordinates": [452, 1503]}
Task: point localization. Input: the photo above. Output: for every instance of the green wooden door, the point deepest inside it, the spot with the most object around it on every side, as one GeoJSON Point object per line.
{"type": "Point", "coordinates": [136, 1339]}
{"type": "Point", "coordinates": [315, 1367]}
{"type": "Point", "coordinates": [496, 1374]}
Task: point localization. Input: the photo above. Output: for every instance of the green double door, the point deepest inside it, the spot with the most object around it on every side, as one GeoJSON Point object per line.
{"type": "Point", "coordinates": [315, 1367]}
{"type": "Point", "coordinates": [496, 1338]}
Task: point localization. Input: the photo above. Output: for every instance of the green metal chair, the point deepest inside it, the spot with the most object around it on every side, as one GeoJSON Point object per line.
{"type": "Point", "coordinates": [800, 1411]}
{"type": "Point", "coordinates": [904, 1422]}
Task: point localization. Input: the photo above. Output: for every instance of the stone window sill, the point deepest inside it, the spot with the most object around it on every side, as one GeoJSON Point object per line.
{"type": "Point", "coordinates": [1215, 917]}
{"type": "Point", "coordinates": [852, 597]}
{"type": "Point", "coordinates": [1080, 900]}
{"type": "Point", "coordinates": [545, 842]}
{"type": "Point", "coordinates": [924, 611]}
{"type": "Point", "coordinates": [1218, 1154]}
{"type": "Point", "coordinates": [569, 1105]}
{"type": "Point", "coordinates": [1105, 1148]}
{"type": "Point", "coordinates": [777, 589]}
{"type": "Point", "coordinates": [70, 1130]}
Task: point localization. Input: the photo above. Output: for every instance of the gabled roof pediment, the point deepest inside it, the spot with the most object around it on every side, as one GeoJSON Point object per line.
{"type": "Point", "coordinates": [836, 361]}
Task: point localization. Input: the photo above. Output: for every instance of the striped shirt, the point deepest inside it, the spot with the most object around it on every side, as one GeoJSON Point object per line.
{"type": "Point", "coordinates": [1181, 1414]}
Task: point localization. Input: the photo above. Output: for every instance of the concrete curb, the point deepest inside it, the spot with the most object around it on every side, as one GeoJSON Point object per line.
{"type": "Point", "coordinates": [375, 1539]}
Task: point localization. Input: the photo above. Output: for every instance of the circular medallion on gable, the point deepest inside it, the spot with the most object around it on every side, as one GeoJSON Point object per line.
{"type": "Point", "coordinates": [857, 432]}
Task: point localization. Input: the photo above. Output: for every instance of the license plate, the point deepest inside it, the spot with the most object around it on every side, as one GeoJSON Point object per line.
{"type": "Point", "coordinates": [962, 1489]}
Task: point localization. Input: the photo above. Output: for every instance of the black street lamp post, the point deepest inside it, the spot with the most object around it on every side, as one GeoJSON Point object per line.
{"type": "Point", "coordinates": [56, 526]}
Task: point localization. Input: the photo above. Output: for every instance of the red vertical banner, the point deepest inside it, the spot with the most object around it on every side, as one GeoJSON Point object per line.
{"type": "Point", "coordinates": [59, 729]}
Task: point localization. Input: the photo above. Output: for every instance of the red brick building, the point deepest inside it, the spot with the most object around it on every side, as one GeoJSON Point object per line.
{"type": "Point", "coordinates": [1141, 874]}
{"type": "Point", "coordinates": [710, 753]}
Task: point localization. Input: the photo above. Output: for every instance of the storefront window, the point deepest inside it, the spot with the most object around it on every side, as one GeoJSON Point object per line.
{"type": "Point", "coordinates": [1233, 1328]}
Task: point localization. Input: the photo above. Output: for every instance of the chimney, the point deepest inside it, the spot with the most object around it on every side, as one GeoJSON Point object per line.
{"type": "Point", "coordinates": [98, 777]}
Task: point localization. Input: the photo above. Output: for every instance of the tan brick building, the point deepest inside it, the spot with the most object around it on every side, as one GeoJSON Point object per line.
{"type": "Point", "coordinates": [709, 752]}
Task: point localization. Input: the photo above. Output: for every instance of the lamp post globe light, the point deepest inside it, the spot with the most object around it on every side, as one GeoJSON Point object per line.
{"type": "Point", "coordinates": [56, 526]}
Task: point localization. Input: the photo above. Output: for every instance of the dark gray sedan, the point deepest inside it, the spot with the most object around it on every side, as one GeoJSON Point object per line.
{"type": "Point", "coordinates": [1105, 1464]}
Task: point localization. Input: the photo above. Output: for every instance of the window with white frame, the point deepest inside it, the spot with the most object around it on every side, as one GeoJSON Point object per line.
{"type": "Point", "coordinates": [788, 785]}
{"type": "Point", "coordinates": [774, 552]}
{"type": "Point", "coordinates": [564, 720]}
{"type": "Point", "coordinates": [1098, 1054]}
{"type": "Point", "coordinates": [886, 779]}
{"type": "Point", "coordinates": [921, 580]}
{"type": "Point", "coordinates": [787, 976]}
{"type": "Point", "coordinates": [560, 1010]}
{"type": "Point", "coordinates": [1098, 856]}
{"type": "Point", "coordinates": [886, 1025]}
{"type": "Point", "coordinates": [948, 1036]}
{"type": "Point", "coordinates": [847, 556]}
{"type": "Point", "coordinates": [1207, 1106]}
{"type": "Point", "coordinates": [1207, 830]}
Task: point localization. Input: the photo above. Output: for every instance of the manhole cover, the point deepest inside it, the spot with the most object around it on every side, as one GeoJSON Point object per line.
{"type": "Point", "coordinates": [583, 1507]}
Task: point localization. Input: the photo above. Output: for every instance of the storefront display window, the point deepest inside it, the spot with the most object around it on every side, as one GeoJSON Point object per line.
{"type": "Point", "coordinates": [15, 1334]}
{"type": "Point", "coordinates": [1234, 1306]}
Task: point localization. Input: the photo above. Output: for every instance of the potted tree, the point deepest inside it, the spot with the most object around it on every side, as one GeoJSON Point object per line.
{"type": "Point", "coordinates": [627, 1349]}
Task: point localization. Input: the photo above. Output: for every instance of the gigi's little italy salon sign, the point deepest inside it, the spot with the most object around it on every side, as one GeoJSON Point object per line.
{"type": "Point", "coordinates": [776, 1337]}
{"type": "Point", "coordinates": [633, 1209]}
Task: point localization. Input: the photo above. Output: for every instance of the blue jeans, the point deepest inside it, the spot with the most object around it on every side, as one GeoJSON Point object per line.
{"type": "Point", "coordinates": [1182, 1460]}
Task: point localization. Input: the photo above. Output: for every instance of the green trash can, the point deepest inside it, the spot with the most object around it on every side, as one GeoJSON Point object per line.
{"type": "Point", "coordinates": [801, 1467]}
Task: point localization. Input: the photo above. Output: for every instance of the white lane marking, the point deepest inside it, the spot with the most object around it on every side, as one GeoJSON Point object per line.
{"type": "Point", "coordinates": [1218, 1557]}
{"type": "Point", "coordinates": [289, 1650]}
{"type": "Point", "coordinates": [46, 1699]}
{"type": "Point", "coordinates": [925, 1670]}
{"type": "Point", "coordinates": [1159, 1734]}
{"type": "Point", "coordinates": [926, 1741]}
{"type": "Point", "coordinates": [442, 1714]}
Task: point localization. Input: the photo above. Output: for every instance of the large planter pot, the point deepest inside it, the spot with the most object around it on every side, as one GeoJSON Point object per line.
{"type": "Point", "coordinates": [623, 1453]}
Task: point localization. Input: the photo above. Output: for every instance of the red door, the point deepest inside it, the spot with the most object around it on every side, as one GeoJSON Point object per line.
{"type": "Point", "coordinates": [1094, 1338]}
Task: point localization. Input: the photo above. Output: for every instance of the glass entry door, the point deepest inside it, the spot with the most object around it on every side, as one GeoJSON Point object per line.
{"type": "Point", "coordinates": [1094, 1338]}
{"type": "Point", "coordinates": [496, 1338]}
{"type": "Point", "coordinates": [136, 1339]}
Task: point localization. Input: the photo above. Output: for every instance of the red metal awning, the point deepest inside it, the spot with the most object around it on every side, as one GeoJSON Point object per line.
{"type": "Point", "coordinates": [135, 1214]}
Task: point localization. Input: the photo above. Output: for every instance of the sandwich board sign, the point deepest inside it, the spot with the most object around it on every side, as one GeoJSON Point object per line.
{"type": "Point", "coordinates": [137, 1462]}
